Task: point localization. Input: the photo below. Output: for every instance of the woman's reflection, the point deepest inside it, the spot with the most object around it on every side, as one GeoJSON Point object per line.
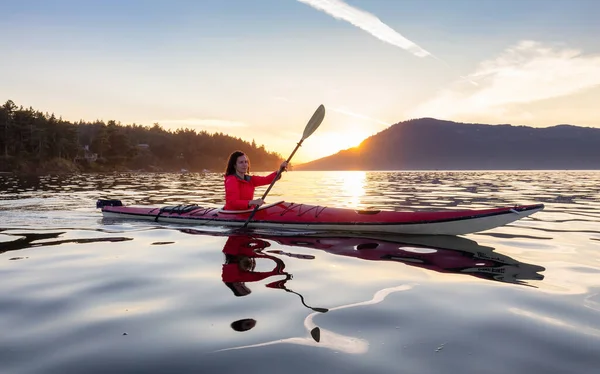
{"type": "Point", "coordinates": [241, 253]}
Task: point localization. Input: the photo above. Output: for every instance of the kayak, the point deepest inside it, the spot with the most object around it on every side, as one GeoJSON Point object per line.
{"type": "Point", "coordinates": [294, 216]}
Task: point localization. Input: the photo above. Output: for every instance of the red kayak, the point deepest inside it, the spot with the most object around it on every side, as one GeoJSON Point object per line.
{"type": "Point", "coordinates": [292, 216]}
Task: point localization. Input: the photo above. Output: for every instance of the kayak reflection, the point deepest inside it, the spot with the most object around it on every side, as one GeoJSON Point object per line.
{"type": "Point", "coordinates": [444, 254]}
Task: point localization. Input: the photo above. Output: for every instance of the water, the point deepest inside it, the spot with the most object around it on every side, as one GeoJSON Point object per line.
{"type": "Point", "coordinates": [82, 294]}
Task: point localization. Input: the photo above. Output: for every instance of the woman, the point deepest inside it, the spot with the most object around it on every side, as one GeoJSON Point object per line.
{"type": "Point", "coordinates": [239, 186]}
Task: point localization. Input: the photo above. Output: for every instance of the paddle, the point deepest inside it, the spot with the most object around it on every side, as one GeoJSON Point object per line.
{"type": "Point", "coordinates": [311, 126]}
{"type": "Point", "coordinates": [281, 285]}
{"type": "Point", "coordinates": [294, 255]}
{"type": "Point", "coordinates": [320, 310]}
{"type": "Point", "coordinates": [316, 334]}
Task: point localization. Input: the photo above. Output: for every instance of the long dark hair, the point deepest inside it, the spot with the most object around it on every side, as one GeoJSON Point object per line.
{"type": "Point", "coordinates": [231, 163]}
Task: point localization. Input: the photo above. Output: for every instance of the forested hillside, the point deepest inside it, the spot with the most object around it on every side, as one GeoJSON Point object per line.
{"type": "Point", "coordinates": [36, 142]}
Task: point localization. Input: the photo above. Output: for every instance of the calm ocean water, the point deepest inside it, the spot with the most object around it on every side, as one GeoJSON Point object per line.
{"type": "Point", "coordinates": [83, 294]}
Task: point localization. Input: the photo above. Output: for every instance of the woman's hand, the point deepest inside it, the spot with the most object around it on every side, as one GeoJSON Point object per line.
{"type": "Point", "coordinates": [257, 202]}
{"type": "Point", "coordinates": [283, 166]}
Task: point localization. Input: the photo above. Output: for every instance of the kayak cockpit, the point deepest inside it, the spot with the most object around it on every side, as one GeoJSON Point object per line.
{"type": "Point", "coordinates": [368, 211]}
{"type": "Point", "coordinates": [266, 206]}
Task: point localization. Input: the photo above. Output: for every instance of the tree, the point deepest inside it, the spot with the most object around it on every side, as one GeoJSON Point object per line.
{"type": "Point", "coordinates": [6, 120]}
{"type": "Point", "coordinates": [100, 140]}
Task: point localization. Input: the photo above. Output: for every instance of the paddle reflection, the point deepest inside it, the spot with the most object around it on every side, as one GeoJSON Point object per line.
{"type": "Point", "coordinates": [327, 339]}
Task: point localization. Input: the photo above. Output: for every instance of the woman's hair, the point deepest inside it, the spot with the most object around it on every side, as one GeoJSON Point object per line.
{"type": "Point", "coordinates": [244, 263]}
{"type": "Point", "coordinates": [231, 163]}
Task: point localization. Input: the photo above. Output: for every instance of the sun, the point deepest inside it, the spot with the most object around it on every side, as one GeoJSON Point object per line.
{"type": "Point", "coordinates": [325, 144]}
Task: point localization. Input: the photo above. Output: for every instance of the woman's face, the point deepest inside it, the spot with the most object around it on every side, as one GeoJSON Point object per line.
{"type": "Point", "coordinates": [241, 164]}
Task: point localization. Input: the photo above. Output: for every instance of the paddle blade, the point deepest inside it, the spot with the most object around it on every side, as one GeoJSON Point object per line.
{"type": "Point", "coordinates": [314, 122]}
{"type": "Point", "coordinates": [316, 334]}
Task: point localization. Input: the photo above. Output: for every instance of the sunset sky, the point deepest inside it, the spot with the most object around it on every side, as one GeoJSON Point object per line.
{"type": "Point", "coordinates": [258, 69]}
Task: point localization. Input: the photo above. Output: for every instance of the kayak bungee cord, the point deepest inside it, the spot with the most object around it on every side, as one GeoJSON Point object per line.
{"type": "Point", "coordinates": [191, 209]}
{"type": "Point", "coordinates": [300, 212]}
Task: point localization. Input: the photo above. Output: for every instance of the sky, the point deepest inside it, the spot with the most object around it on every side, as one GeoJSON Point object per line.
{"type": "Point", "coordinates": [258, 69]}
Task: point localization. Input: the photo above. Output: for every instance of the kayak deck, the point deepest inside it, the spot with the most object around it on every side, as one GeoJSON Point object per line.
{"type": "Point", "coordinates": [289, 215]}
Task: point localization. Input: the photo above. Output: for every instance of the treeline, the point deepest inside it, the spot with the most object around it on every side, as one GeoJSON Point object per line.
{"type": "Point", "coordinates": [34, 142]}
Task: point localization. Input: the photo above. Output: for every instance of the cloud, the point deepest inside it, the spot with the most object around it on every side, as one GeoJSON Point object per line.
{"type": "Point", "coordinates": [360, 116]}
{"type": "Point", "coordinates": [525, 73]}
{"type": "Point", "coordinates": [368, 22]}
{"type": "Point", "coordinates": [282, 99]}
{"type": "Point", "coordinates": [339, 110]}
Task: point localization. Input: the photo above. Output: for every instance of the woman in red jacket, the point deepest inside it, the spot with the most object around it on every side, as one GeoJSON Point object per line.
{"type": "Point", "coordinates": [239, 186]}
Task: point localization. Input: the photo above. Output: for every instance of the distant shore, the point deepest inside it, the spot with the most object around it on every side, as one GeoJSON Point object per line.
{"type": "Point", "coordinates": [107, 170]}
{"type": "Point", "coordinates": [63, 166]}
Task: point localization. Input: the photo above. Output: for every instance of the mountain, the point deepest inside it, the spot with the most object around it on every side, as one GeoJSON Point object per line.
{"type": "Point", "coordinates": [430, 144]}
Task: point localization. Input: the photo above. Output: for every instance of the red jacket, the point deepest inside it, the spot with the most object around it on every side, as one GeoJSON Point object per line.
{"type": "Point", "coordinates": [239, 192]}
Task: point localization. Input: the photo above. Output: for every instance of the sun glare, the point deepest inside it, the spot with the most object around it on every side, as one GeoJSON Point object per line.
{"type": "Point", "coordinates": [325, 144]}
{"type": "Point", "coordinates": [353, 185]}
{"type": "Point", "coordinates": [350, 140]}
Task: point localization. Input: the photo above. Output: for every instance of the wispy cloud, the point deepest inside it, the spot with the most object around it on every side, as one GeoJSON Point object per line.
{"type": "Point", "coordinates": [282, 99]}
{"type": "Point", "coordinates": [525, 73]}
{"type": "Point", "coordinates": [368, 22]}
{"type": "Point", "coordinates": [339, 110]}
{"type": "Point", "coordinates": [360, 116]}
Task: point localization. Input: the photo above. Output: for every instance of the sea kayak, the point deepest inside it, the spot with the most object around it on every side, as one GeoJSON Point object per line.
{"type": "Point", "coordinates": [293, 216]}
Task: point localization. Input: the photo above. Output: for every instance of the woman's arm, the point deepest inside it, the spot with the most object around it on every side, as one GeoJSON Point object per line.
{"type": "Point", "coordinates": [257, 180]}
{"type": "Point", "coordinates": [268, 179]}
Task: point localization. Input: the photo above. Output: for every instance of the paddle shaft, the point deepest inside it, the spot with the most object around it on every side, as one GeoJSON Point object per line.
{"type": "Point", "coordinates": [272, 183]}
{"type": "Point", "coordinates": [279, 172]}
{"type": "Point", "coordinates": [320, 310]}
{"type": "Point", "coordinates": [311, 126]}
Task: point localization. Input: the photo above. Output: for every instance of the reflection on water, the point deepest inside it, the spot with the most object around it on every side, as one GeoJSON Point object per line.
{"type": "Point", "coordinates": [444, 254]}
{"type": "Point", "coordinates": [31, 240]}
{"type": "Point", "coordinates": [323, 338]}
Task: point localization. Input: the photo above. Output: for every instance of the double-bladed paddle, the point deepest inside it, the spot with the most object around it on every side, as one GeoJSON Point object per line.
{"type": "Point", "coordinates": [311, 126]}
